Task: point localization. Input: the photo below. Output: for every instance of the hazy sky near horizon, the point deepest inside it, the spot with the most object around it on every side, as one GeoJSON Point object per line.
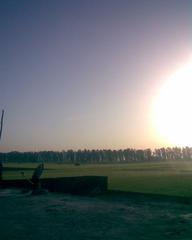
{"type": "Point", "coordinates": [84, 74]}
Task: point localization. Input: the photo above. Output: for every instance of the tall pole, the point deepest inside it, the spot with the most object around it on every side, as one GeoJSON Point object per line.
{"type": "Point", "coordinates": [1, 164]}
{"type": "Point", "coordinates": [1, 127]}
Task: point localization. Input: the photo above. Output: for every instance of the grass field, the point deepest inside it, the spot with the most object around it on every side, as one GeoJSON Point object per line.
{"type": "Point", "coordinates": [169, 178]}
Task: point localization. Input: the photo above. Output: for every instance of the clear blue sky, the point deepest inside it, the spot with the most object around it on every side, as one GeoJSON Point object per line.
{"type": "Point", "coordinates": [83, 73]}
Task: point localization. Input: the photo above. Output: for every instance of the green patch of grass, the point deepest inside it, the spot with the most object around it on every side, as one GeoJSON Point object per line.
{"type": "Point", "coordinates": [170, 178]}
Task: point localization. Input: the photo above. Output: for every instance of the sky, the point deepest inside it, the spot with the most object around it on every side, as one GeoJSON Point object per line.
{"type": "Point", "coordinates": [84, 74]}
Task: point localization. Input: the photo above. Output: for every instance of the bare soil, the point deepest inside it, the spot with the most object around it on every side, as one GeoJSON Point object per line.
{"type": "Point", "coordinates": [113, 216]}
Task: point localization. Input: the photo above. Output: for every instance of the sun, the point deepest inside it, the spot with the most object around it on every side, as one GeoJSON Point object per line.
{"type": "Point", "coordinates": [173, 108]}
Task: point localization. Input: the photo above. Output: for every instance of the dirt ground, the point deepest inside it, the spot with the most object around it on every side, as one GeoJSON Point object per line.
{"type": "Point", "coordinates": [108, 217]}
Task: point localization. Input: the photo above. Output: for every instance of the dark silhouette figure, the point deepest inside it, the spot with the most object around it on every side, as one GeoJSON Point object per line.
{"type": "Point", "coordinates": [36, 177]}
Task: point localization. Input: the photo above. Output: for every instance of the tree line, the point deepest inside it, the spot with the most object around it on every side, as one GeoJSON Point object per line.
{"type": "Point", "coordinates": [99, 156]}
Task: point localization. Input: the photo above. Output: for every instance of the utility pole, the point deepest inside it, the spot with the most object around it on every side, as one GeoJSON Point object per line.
{"type": "Point", "coordinates": [1, 127]}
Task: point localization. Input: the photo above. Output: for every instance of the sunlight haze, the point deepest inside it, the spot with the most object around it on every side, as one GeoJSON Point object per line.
{"type": "Point", "coordinates": [172, 109]}
{"type": "Point", "coordinates": [87, 74]}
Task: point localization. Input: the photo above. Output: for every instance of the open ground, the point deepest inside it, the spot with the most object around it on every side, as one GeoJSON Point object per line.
{"type": "Point", "coordinates": [167, 177]}
{"type": "Point", "coordinates": [107, 217]}
{"type": "Point", "coordinates": [137, 212]}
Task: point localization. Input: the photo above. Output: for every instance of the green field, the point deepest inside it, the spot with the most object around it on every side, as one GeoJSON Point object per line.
{"type": "Point", "coordinates": [170, 178]}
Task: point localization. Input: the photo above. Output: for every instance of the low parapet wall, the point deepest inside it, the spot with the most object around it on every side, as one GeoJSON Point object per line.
{"type": "Point", "coordinates": [74, 185]}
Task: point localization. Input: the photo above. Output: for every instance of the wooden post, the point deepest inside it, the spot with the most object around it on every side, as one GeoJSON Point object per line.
{"type": "Point", "coordinates": [1, 127]}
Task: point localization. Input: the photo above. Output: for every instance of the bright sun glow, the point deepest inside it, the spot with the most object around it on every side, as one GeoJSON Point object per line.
{"type": "Point", "coordinates": [173, 108]}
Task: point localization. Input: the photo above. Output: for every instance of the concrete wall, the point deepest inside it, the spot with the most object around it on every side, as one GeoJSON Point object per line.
{"type": "Point", "coordinates": [74, 185]}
